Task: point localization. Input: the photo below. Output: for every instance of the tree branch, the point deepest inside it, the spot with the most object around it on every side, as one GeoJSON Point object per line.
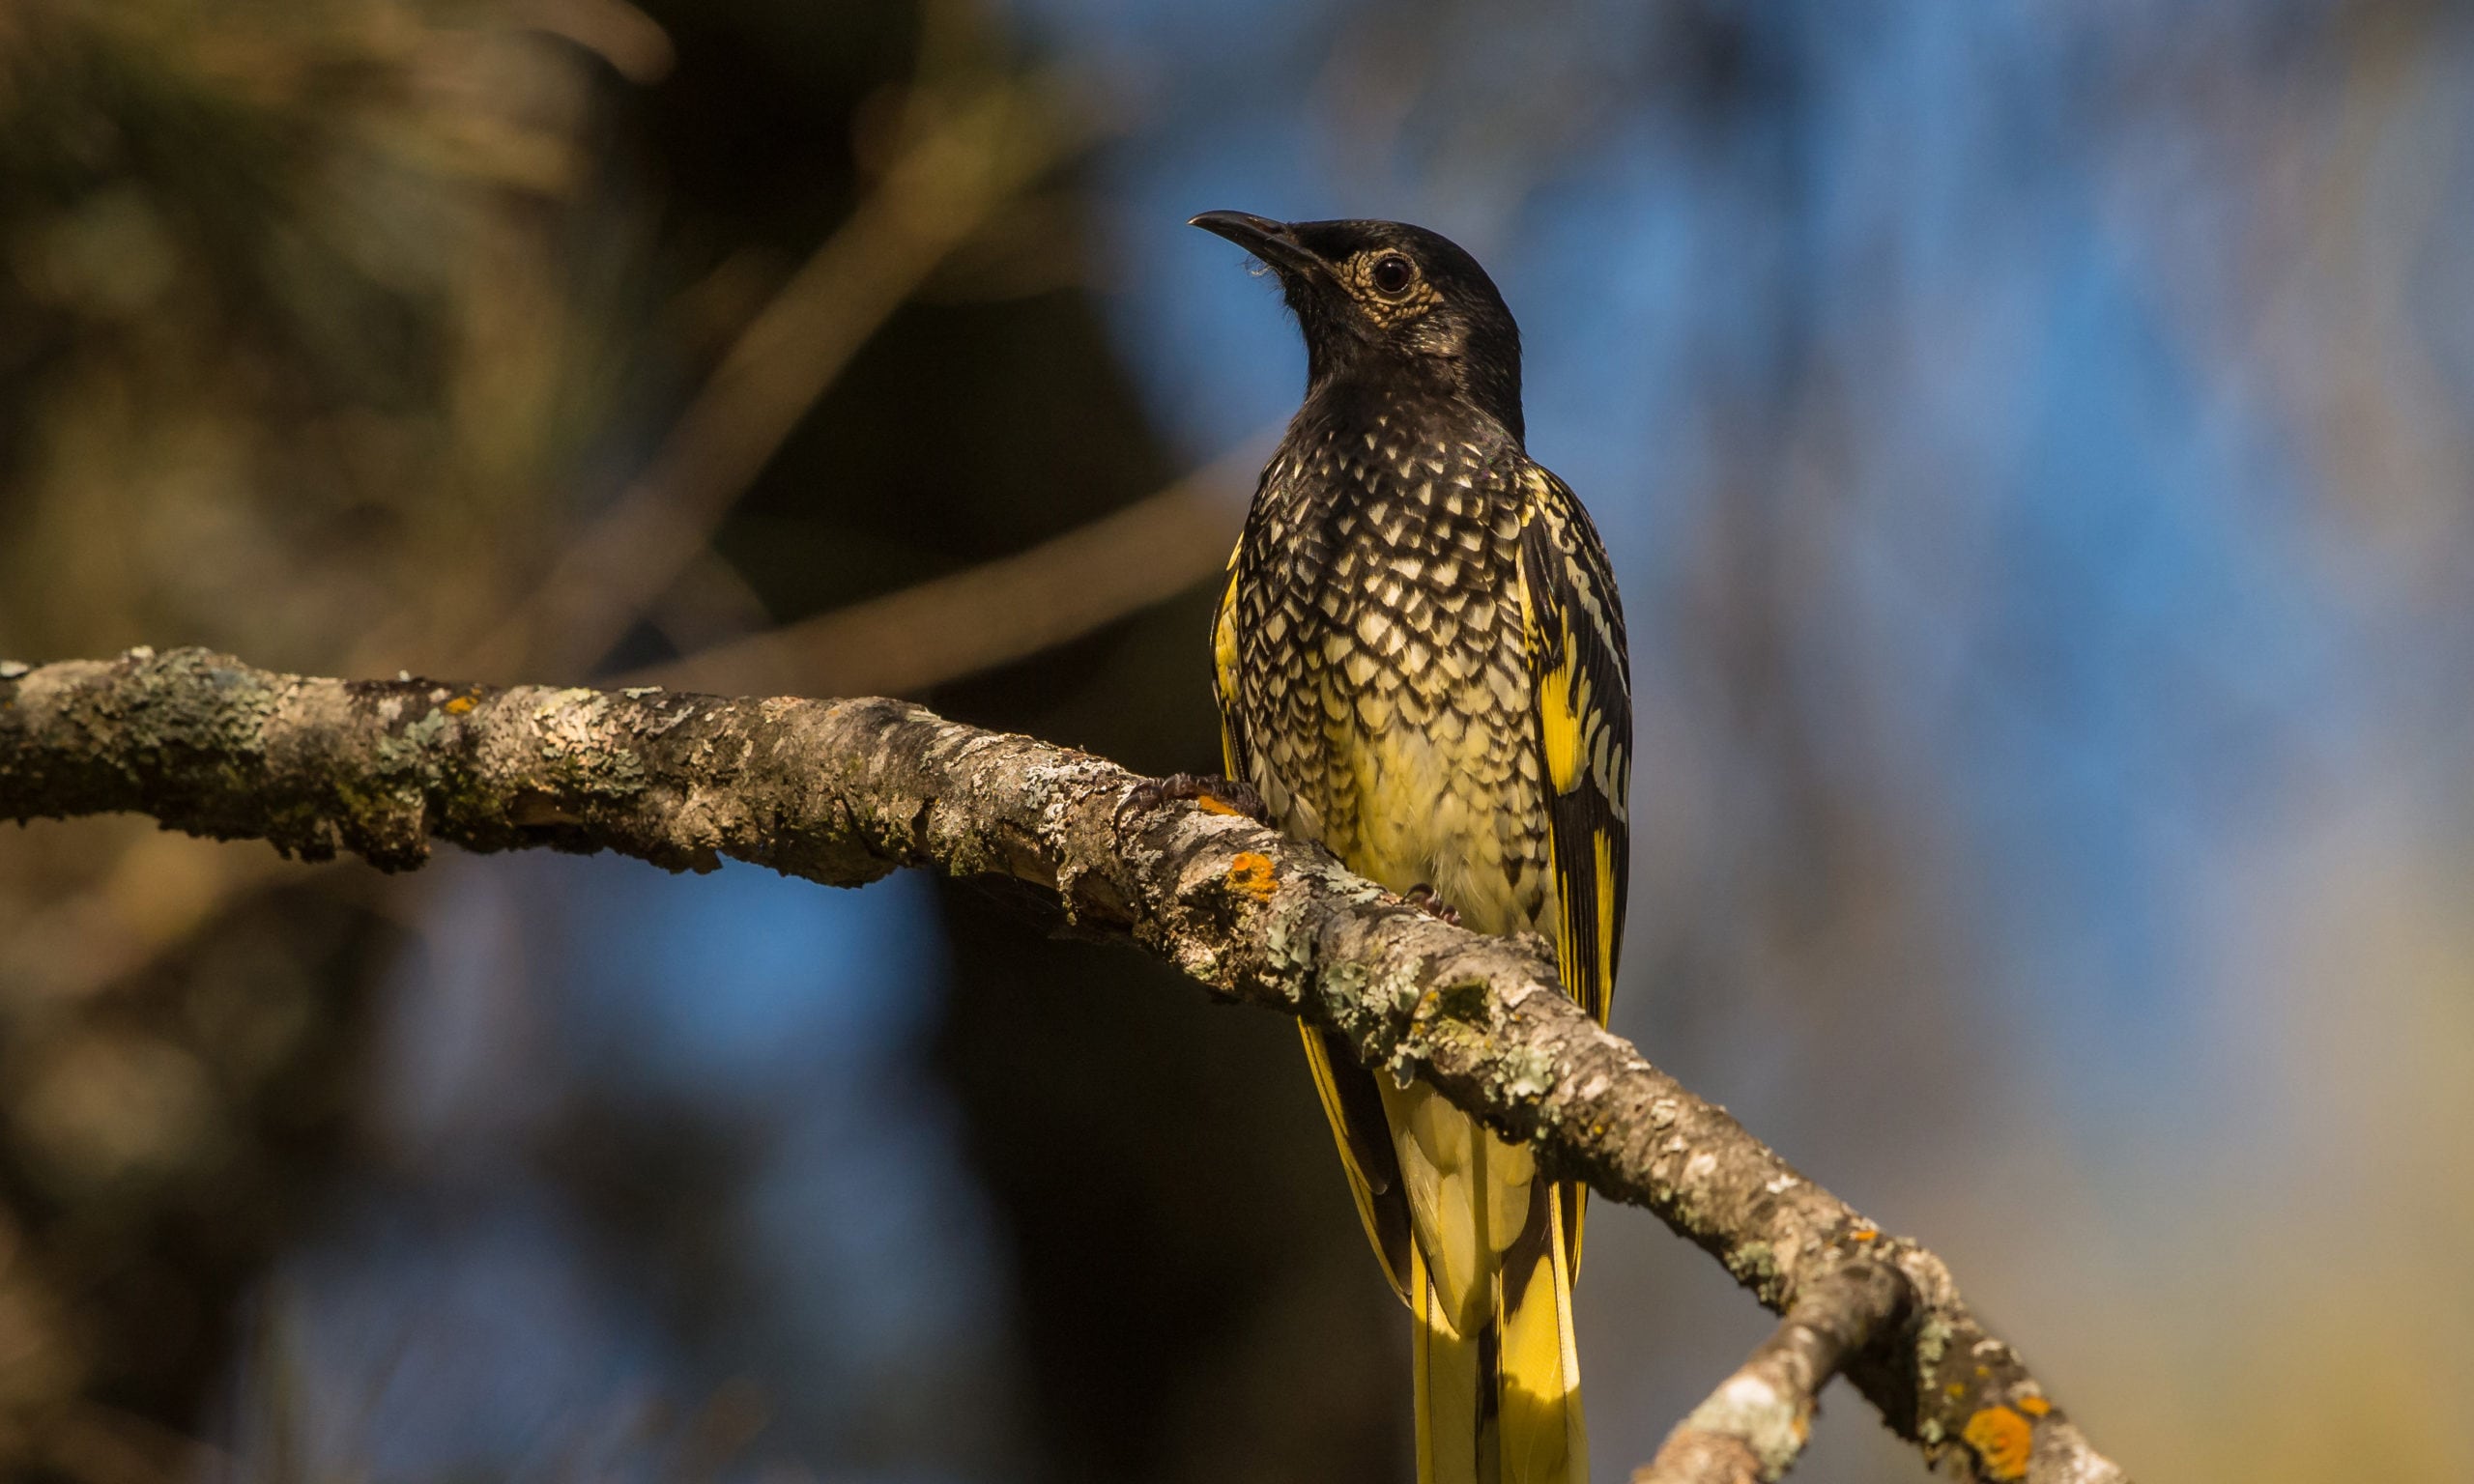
{"type": "Point", "coordinates": [1751, 1428]}
{"type": "Point", "coordinates": [844, 791]}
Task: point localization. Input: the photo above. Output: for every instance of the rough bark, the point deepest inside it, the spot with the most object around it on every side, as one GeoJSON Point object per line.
{"type": "Point", "coordinates": [844, 791]}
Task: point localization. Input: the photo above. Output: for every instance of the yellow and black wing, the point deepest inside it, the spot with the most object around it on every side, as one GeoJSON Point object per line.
{"type": "Point", "coordinates": [1580, 676]}
{"type": "Point", "coordinates": [1581, 685]}
{"type": "Point", "coordinates": [1350, 1098]}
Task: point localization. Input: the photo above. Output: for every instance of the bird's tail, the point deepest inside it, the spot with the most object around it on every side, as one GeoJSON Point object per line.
{"type": "Point", "coordinates": [1502, 1404]}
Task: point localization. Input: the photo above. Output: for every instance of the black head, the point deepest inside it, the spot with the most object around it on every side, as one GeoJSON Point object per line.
{"type": "Point", "coordinates": [1386, 300]}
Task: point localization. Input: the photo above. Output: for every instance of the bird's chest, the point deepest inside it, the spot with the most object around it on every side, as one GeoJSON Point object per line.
{"type": "Point", "coordinates": [1380, 665]}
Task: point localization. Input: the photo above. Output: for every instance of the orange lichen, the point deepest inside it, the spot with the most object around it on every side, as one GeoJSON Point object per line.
{"type": "Point", "coordinates": [1864, 1234]}
{"type": "Point", "coordinates": [1211, 805]}
{"type": "Point", "coordinates": [2003, 1439]}
{"type": "Point", "coordinates": [1253, 874]}
{"type": "Point", "coordinates": [2034, 1405]}
{"type": "Point", "coordinates": [459, 705]}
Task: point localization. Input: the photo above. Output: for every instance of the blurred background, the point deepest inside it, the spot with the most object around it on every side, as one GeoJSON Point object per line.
{"type": "Point", "coordinates": [2034, 445]}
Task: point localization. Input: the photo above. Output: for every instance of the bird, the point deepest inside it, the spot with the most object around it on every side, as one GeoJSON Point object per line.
{"type": "Point", "coordinates": [1419, 664]}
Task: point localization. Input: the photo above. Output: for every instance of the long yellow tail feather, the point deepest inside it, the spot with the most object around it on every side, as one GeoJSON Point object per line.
{"type": "Point", "coordinates": [1541, 1435]}
{"type": "Point", "coordinates": [1498, 1393]}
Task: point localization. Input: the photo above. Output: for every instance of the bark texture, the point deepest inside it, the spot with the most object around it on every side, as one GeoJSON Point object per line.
{"type": "Point", "coordinates": [844, 791]}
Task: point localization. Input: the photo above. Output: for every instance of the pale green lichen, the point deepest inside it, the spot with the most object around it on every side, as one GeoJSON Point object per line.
{"type": "Point", "coordinates": [559, 700]}
{"type": "Point", "coordinates": [1413, 1052]}
{"type": "Point", "coordinates": [1752, 1262]}
{"type": "Point", "coordinates": [1345, 982]}
{"type": "Point", "coordinates": [1529, 1073]}
{"type": "Point", "coordinates": [1932, 1343]}
{"type": "Point", "coordinates": [1750, 1408]}
{"type": "Point", "coordinates": [411, 748]}
{"type": "Point", "coordinates": [1289, 945]}
{"type": "Point", "coordinates": [1389, 992]}
{"type": "Point", "coordinates": [571, 741]}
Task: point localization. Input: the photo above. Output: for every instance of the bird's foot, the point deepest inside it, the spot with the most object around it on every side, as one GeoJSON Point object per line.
{"type": "Point", "coordinates": [1209, 792]}
{"type": "Point", "coordinates": [1423, 898]}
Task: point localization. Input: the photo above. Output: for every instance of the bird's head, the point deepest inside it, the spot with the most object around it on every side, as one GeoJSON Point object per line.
{"type": "Point", "coordinates": [1384, 300]}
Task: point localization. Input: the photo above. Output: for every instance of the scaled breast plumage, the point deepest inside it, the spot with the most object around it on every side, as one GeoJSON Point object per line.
{"type": "Point", "coordinates": [1379, 661]}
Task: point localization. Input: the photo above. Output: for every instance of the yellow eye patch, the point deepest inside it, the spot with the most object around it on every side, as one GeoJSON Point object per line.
{"type": "Point", "coordinates": [1394, 307]}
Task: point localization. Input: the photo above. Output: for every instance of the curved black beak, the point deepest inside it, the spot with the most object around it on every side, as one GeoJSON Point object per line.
{"type": "Point", "coordinates": [1273, 242]}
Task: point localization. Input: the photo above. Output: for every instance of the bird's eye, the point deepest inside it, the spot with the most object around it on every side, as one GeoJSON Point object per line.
{"type": "Point", "coordinates": [1391, 274]}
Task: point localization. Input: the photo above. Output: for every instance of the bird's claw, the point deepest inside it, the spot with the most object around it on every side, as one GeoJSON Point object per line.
{"type": "Point", "coordinates": [1210, 792]}
{"type": "Point", "coordinates": [1423, 898]}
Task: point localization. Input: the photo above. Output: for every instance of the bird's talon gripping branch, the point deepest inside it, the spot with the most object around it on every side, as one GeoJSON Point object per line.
{"type": "Point", "coordinates": [1209, 792]}
{"type": "Point", "coordinates": [1423, 898]}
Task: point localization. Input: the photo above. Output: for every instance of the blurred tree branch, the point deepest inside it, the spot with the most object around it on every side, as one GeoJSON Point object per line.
{"type": "Point", "coordinates": [904, 642]}
{"type": "Point", "coordinates": [845, 791]}
{"type": "Point", "coordinates": [1756, 1422]}
{"type": "Point", "coordinates": [958, 160]}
